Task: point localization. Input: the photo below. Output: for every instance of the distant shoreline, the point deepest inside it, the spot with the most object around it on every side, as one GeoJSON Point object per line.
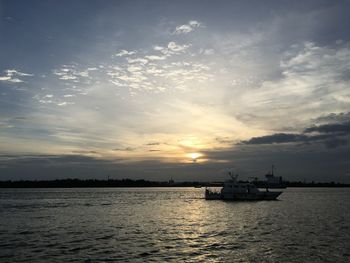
{"type": "Point", "coordinates": [124, 183]}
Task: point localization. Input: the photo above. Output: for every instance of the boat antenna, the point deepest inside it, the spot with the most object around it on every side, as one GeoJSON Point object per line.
{"type": "Point", "coordinates": [230, 174]}
{"type": "Point", "coordinates": [233, 177]}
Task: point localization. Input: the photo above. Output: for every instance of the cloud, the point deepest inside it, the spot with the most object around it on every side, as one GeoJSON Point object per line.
{"type": "Point", "coordinates": [156, 70]}
{"type": "Point", "coordinates": [277, 138]}
{"type": "Point", "coordinates": [134, 68]}
{"type": "Point", "coordinates": [84, 152]}
{"type": "Point", "coordinates": [153, 143]}
{"type": "Point", "coordinates": [176, 47]}
{"type": "Point", "coordinates": [172, 48]}
{"type": "Point", "coordinates": [13, 75]}
{"type": "Point", "coordinates": [183, 29]}
{"type": "Point", "coordinates": [142, 61]}
{"type": "Point", "coordinates": [343, 128]}
{"type": "Point", "coordinates": [207, 52]}
{"type": "Point", "coordinates": [50, 167]}
{"type": "Point", "coordinates": [158, 48]}
{"type": "Point", "coordinates": [187, 28]}
{"type": "Point", "coordinates": [54, 99]}
{"type": "Point", "coordinates": [333, 118]}
{"type": "Point", "coordinates": [5, 125]}
{"type": "Point", "coordinates": [16, 72]}
{"type": "Point", "coordinates": [154, 57]}
{"type": "Point", "coordinates": [307, 161]}
{"type": "Point", "coordinates": [73, 73]}
{"type": "Point", "coordinates": [334, 143]}
{"type": "Point", "coordinates": [311, 83]}
{"type": "Point", "coordinates": [331, 135]}
{"type": "Point", "coordinates": [161, 69]}
{"type": "Point", "coordinates": [124, 52]}
{"type": "Point", "coordinates": [126, 149]}
{"type": "Point", "coordinates": [4, 78]}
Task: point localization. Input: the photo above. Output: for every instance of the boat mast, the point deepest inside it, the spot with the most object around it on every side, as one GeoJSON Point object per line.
{"type": "Point", "coordinates": [233, 177]}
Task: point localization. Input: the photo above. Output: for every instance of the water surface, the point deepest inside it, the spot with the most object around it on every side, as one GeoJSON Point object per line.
{"type": "Point", "coordinates": [172, 225]}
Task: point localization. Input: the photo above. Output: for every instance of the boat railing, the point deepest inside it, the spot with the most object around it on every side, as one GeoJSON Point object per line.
{"type": "Point", "coordinates": [211, 192]}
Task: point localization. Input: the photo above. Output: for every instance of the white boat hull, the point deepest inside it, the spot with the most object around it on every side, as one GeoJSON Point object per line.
{"type": "Point", "coordinates": [250, 196]}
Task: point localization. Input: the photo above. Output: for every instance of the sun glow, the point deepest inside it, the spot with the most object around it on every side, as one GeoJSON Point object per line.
{"type": "Point", "coordinates": [195, 156]}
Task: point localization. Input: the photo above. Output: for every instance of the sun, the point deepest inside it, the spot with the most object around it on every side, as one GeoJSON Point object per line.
{"type": "Point", "coordinates": [194, 156]}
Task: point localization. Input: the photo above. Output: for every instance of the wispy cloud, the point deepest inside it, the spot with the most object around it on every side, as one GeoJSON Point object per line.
{"type": "Point", "coordinates": [14, 76]}
{"type": "Point", "coordinates": [157, 70]}
{"type": "Point", "coordinates": [124, 52]}
{"type": "Point", "coordinates": [155, 57]}
{"type": "Point", "coordinates": [313, 80]}
{"type": "Point", "coordinates": [70, 72]}
{"type": "Point", "coordinates": [187, 28]}
{"type": "Point", "coordinates": [176, 47]}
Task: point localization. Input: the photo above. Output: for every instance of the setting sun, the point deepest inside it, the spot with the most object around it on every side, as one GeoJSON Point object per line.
{"type": "Point", "coordinates": [195, 156]}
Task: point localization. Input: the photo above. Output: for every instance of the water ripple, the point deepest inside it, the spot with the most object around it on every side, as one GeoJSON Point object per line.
{"type": "Point", "coordinates": [171, 225]}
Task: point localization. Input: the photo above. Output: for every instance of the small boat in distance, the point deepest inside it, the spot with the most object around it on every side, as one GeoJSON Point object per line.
{"type": "Point", "coordinates": [235, 190]}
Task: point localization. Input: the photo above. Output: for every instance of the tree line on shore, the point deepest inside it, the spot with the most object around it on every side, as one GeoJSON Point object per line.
{"type": "Point", "coordinates": [69, 183]}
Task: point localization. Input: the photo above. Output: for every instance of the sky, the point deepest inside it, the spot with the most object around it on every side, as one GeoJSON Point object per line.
{"type": "Point", "coordinates": [182, 89]}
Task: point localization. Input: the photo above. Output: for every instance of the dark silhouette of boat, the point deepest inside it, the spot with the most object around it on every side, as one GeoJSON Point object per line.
{"type": "Point", "coordinates": [273, 181]}
{"type": "Point", "coordinates": [240, 191]}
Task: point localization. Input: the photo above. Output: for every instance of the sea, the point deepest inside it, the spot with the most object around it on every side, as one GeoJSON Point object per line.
{"type": "Point", "coordinates": [172, 225]}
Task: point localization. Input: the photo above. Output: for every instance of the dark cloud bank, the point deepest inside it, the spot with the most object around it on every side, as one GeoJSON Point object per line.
{"type": "Point", "coordinates": [331, 135]}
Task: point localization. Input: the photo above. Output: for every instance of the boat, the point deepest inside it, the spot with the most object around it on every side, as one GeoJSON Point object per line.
{"type": "Point", "coordinates": [274, 181]}
{"type": "Point", "coordinates": [240, 191]}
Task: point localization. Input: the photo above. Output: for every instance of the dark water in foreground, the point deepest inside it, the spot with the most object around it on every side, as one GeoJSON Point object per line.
{"type": "Point", "coordinates": [172, 225]}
